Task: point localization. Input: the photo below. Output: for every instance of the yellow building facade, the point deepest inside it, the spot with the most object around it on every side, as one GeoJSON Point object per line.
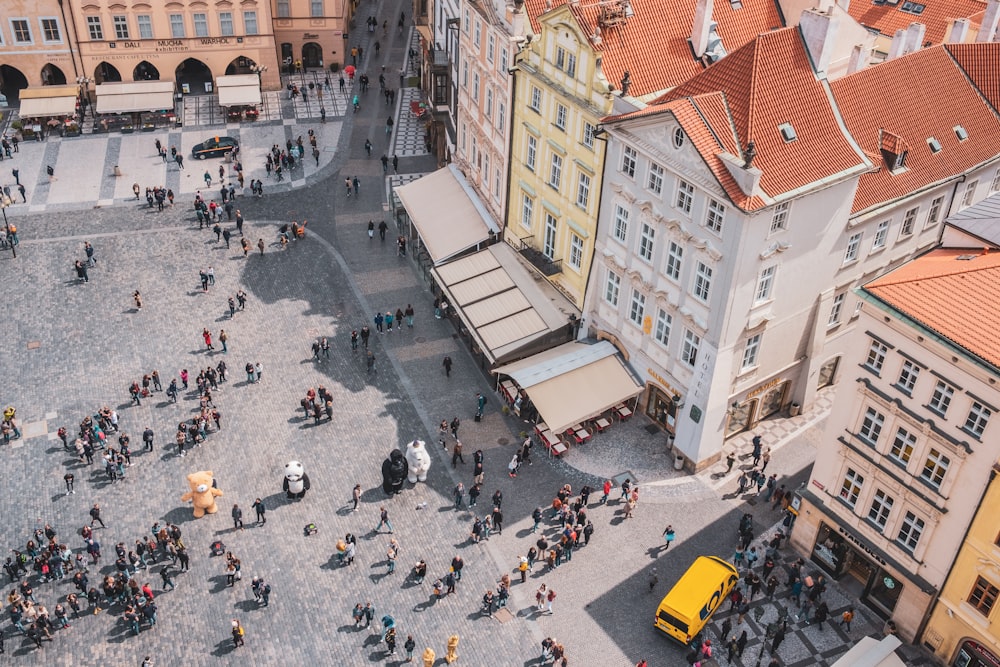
{"type": "Point", "coordinates": [556, 156]}
{"type": "Point", "coordinates": [190, 44]}
{"type": "Point", "coordinates": [964, 627]}
{"type": "Point", "coordinates": [36, 42]}
{"type": "Point", "coordinates": [314, 34]}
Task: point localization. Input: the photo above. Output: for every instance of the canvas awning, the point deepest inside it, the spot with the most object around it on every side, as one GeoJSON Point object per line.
{"type": "Point", "coordinates": [48, 101]}
{"type": "Point", "coordinates": [573, 382]}
{"type": "Point", "coordinates": [135, 96]}
{"type": "Point", "coordinates": [871, 652]}
{"type": "Point", "coordinates": [447, 213]}
{"type": "Point", "coordinates": [425, 32]}
{"type": "Point", "coordinates": [238, 89]}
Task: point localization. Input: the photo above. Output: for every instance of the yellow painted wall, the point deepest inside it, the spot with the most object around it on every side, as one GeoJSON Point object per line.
{"type": "Point", "coordinates": [30, 56]}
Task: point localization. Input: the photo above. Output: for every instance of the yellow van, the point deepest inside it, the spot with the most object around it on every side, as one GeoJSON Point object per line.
{"type": "Point", "coordinates": [689, 605]}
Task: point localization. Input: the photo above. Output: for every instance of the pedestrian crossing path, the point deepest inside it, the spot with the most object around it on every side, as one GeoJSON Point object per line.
{"type": "Point", "coordinates": [409, 140]}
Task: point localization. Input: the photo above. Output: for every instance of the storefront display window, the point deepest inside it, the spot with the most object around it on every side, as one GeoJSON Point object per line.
{"type": "Point", "coordinates": [841, 556]}
{"type": "Point", "coordinates": [974, 654]}
{"type": "Point", "coordinates": [661, 409]}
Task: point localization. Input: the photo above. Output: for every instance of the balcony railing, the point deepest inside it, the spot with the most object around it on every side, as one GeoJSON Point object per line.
{"type": "Point", "coordinates": [538, 259]}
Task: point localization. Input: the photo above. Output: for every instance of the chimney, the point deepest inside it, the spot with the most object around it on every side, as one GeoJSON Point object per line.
{"type": "Point", "coordinates": [819, 32]}
{"type": "Point", "coordinates": [702, 27]}
{"type": "Point", "coordinates": [897, 46]}
{"type": "Point", "coordinates": [988, 28]}
{"type": "Point", "coordinates": [517, 20]}
{"type": "Point", "coordinates": [959, 31]}
{"type": "Point", "coordinates": [858, 60]}
{"type": "Point", "coordinates": [914, 37]}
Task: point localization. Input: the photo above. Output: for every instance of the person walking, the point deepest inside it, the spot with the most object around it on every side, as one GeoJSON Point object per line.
{"type": "Point", "coordinates": [550, 597]}
{"type": "Point", "coordinates": [395, 163]}
{"type": "Point", "coordinates": [383, 520]}
{"type": "Point", "coordinates": [846, 618]}
{"type": "Point", "coordinates": [741, 643]}
{"type": "Point", "coordinates": [668, 537]}
{"type": "Point", "coordinates": [447, 366]}
{"type": "Point", "coordinates": [456, 454]}
{"type": "Point", "coordinates": [356, 496]}
{"type": "Point", "coordinates": [459, 494]}
{"type": "Point", "coordinates": [237, 632]}
{"type": "Point", "coordinates": [207, 336]}
{"type": "Point", "coordinates": [95, 515]}
{"type": "Point", "coordinates": [223, 337]}
{"type": "Point", "coordinates": [237, 517]}
{"type": "Point", "coordinates": [779, 636]}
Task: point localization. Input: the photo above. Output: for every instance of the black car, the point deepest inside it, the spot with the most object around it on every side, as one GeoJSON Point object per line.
{"type": "Point", "coordinates": [214, 147]}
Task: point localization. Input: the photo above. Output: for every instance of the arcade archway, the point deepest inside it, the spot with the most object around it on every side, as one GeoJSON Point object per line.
{"type": "Point", "coordinates": [107, 73]}
{"type": "Point", "coordinates": [312, 55]}
{"type": "Point", "coordinates": [12, 82]}
{"type": "Point", "coordinates": [145, 71]}
{"type": "Point", "coordinates": [53, 76]}
{"type": "Point", "coordinates": [194, 76]}
{"type": "Point", "coordinates": [241, 65]}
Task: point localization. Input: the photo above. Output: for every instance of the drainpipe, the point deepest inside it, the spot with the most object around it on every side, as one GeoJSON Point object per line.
{"type": "Point", "coordinates": [72, 52]}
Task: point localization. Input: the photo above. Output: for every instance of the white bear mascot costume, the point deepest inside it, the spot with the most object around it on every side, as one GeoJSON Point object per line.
{"type": "Point", "coordinates": [419, 460]}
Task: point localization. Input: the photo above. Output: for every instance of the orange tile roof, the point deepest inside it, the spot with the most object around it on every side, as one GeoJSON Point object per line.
{"type": "Point", "coordinates": [768, 82]}
{"type": "Point", "coordinates": [653, 45]}
{"type": "Point", "coordinates": [947, 295]}
{"type": "Point", "coordinates": [981, 63]}
{"type": "Point", "coordinates": [937, 15]}
{"type": "Point", "coordinates": [905, 96]}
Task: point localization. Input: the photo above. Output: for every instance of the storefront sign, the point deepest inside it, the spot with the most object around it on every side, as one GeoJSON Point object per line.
{"type": "Point", "coordinates": [310, 35]}
{"type": "Point", "coordinates": [663, 381]}
{"type": "Point", "coordinates": [169, 45]}
{"type": "Point", "coordinates": [212, 41]}
{"type": "Point", "coordinates": [764, 387]}
{"type": "Point", "coordinates": [818, 485]}
{"type": "Point", "coordinates": [132, 45]}
{"type": "Point", "coordinates": [864, 547]}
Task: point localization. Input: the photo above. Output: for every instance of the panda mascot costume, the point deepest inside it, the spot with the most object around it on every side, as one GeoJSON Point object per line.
{"type": "Point", "coordinates": [296, 481]}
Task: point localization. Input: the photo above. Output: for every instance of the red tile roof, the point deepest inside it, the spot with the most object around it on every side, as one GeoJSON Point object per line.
{"type": "Point", "coordinates": [653, 45]}
{"type": "Point", "coordinates": [936, 15]}
{"type": "Point", "coordinates": [918, 96]}
{"type": "Point", "coordinates": [981, 63]}
{"type": "Point", "coordinates": [947, 295]}
{"type": "Point", "coordinates": [766, 83]}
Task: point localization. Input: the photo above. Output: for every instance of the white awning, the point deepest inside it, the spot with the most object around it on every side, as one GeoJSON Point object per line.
{"type": "Point", "coordinates": [871, 652]}
{"type": "Point", "coordinates": [48, 101]}
{"type": "Point", "coordinates": [503, 304]}
{"type": "Point", "coordinates": [573, 382]}
{"type": "Point", "coordinates": [135, 96]}
{"type": "Point", "coordinates": [238, 89]}
{"type": "Point", "coordinates": [447, 213]}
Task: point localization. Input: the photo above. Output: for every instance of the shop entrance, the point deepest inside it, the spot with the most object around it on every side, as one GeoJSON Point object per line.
{"type": "Point", "coordinates": [661, 409]}
{"type": "Point", "coordinates": [739, 417]}
{"type": "Point", "coordinates": [312, 55]}
{"type": "Point", "coordinates": [828, 373]}
{"type": "Point", "coordinates": [194, 76]}
{"type": "Point", "coordinates": [12, 81]}
{"type": "Point", "coordinates": [974, 654]}
{"type": "Point", "coordinates": [145, 71]}
{"type": "Point", "coordinates": [866, 579]}
{"type": "Point", "coordinates": [773, 400]}
{"type": "Point", "coordinates": [53, 76]}
{"type": "Point", "coordinates": [106, 73]}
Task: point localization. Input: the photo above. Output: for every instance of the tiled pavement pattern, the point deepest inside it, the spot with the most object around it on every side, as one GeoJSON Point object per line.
{"type": "Point", "coordinates": [408, 134]}
{"type": "Point", "coordinates": [75, 347]}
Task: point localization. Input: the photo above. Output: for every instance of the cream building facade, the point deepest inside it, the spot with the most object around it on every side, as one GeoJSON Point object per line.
{"type": "Point", "coordinates": [313, 33]}
{"type": "Point", "coordinates": [36, 47]}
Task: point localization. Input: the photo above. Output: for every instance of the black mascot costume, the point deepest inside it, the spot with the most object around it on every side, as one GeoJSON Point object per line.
{"type": "Point", "coordinates": [394, 471]}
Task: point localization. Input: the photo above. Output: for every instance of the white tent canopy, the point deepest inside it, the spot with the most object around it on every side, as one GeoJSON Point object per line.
{"type": "Point", "coordinates": [871, 652]}
{"type": "Point", "coordinates": [48, 101]}
{"type": "Point", "coordinates": [238, 89]}
{"type": "Point", "coordinates": [573, 382]}
{"type": "Point", "coordinates": [135, 96]}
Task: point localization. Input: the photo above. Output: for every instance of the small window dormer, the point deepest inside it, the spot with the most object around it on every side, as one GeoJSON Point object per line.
{"type": "Point", "coordinates": [788, 132]}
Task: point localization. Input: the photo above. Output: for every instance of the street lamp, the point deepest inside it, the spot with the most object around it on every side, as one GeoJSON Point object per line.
{"type": "Point", "coordinates": [5, 201]}
{"type": "Point", "coordinates": [84, 83]}
{"type": "Point", "coordinates": [259, 71]}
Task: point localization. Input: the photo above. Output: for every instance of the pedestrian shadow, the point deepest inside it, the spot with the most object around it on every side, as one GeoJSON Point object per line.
{"type": "Point", "coordinates": [223, 648]}
{"type": "Point", "coordinates": [178, 515]}
{"type": "Point", "coordinates": [529, 612]}
{"type": "Point", "coordinates": [219, 583]}
{"type": "Point", "coordinates": [120, 632]}
{"type": "Point", "coordinates": [524, 533]}
{"type": "Point", "coordinates": [247, 605]}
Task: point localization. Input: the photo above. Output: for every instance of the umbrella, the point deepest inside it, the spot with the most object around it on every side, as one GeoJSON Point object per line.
{"type": "Point", "coordinates": [53, 123]}
{"type": "Point", "coordinates": [349, 70]}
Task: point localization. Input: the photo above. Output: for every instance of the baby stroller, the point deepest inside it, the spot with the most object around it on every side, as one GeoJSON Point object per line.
{"type": "Point", "coordinates": [218, 548]}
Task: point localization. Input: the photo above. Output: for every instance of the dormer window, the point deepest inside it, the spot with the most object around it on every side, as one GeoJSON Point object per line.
{"type": "Point", "coordinates": [934, 145]}
{"type": "Point", "coordinates": [788, 132]}
{"type": "Point", "coordinates": [894, 150]}
{"type": "Point", "coordinates": [961, 133]}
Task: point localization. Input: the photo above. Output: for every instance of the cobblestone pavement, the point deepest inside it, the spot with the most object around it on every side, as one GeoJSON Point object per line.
{"type": "Point", "coordinates": [74, 347]}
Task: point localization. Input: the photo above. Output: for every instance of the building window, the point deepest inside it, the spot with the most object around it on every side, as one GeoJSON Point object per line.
{"type": "Point", "coordinates": [527, 210]}
{"type": "Point", "coordinates": [532, 153]}
{"type": "Point", "coordinates": [561, 117]}
{"type": "Point", "coordinates": [979, 415]}
{"type": "Point", "coordinates": [646, 238]}
{"type": "Point", "coordinates": [880, 509]}
{"type": "Point", "coordinates": [583, 191]}
{"type": "Point", "coordinates": [935, 468]}
{"type": "Point", "coordinates": [851, 488]}
{"type": "Point", "coordinates": [477, 34]}
{"type": "Point", "coordinates": [575, 251]}
{"type": "Point", "coordinates": [465, 24]}
{"type": "Point", "coordinates": [621, 223]}
{"type": "Point", "coordinates": [491, 47]}
{"type": "Point", "coordinates": [685, 195]}
{"type": "Point", "coordinates": [612, 289]}
{"type": "Point", "coordinates": [200, 25]}
{"type": "Point", "coordinates": [881, 233]}
{"type": "Point", "coordinates": [995, 184]}
{"type": "Point", "coordinates": [226, 24]}
{"type": "Point", "coordinates": [489, 103]}
{"type": "Point", "coordinates": [549, 242]}
{"type": "Point", "coordinates": [475, 86]}
{"type": "Point", "coordinates": [663, 323]}
{"type": "Point", "coordinates": [779, 219]}
{"type": "Point", "coordinates": [910, 531]}
{"type": "Point", "coordinates": [716, 214]}
{"type": "Point", "coordinates": [836, 309]}
{"type": "Point", "coordinates": [284, 8]}
{"type": "Point", "coordinates": [177, 26]}
{"type": "Point", "coordinates": [629, 156]}
{"type": "Point", "coordinates": [941, 398]}
{"type": "Point", "coordinates": [934, 212]}
{"type": "Point", "coordinates": [555, 171]}
{"type": "Point", "coordinates": [94, 27]}
{"type": "Point", "coordinates": [909, 221]}
{"type": "Point", "coordinates": [637, 308]}
{"type": "Point", "coordinates": [588, 135]}
{"type": "Point", "coordinates": [970, 193]}
{"type": "Point", "coordinates": [876, 355]}
{"type": "Point", "coordinates": [501, 115]}
{"type": "Point", "coordinates": [465, 74]}
{"type": "Point", "coordinates": [765, 283]}
{"type": "Point", "coordinates": [250, 22]}
{"type": "Point", "coordinates": [486, 169]}
{"type": "Point", "coordinates": [503, 60]}
{"type": "Point", "coordinates": [902, 446]}
{"type": "Point", "coordinates": [750, 352]}
{"type": "Point", "coordinates": [983, 596]}
{"type": "Point", "coordinates": [871, 425]}
{"type": "Point", "coordinates": [702, 281]}
{"type": "Point", "coordinates": [560, 57]}
{"type": "Point", "coordinates": [571, 64]}
{"type": "Point", "coordinates": [496, 182]}
{"type": "Point", "coordinates": [21, 30]}
{"type": "Point", "coordinates": [145, 24]}
{"type": "Point", "coordinates": [908, 376]}
{"type": "Point", "coordinates": [536, 99]}
{"type": "Point", "coordinates": [689, 350]}
{"type": "Point", "coordinates": [853, 244]}
{"type": "Point", "coordinates": [121, 26]}
{"type": "Point", "coordinates": [316, 8]}
{"type": "Point", "coordinates": [673, 267]}
{"type": "Point", "coordinates": [50, 30]}
{"type": "Point", "coordinates": [655, 181]}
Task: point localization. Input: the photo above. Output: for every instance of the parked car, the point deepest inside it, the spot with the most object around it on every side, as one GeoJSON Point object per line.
{"type": "Point", "coordinates": [214, 147]}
